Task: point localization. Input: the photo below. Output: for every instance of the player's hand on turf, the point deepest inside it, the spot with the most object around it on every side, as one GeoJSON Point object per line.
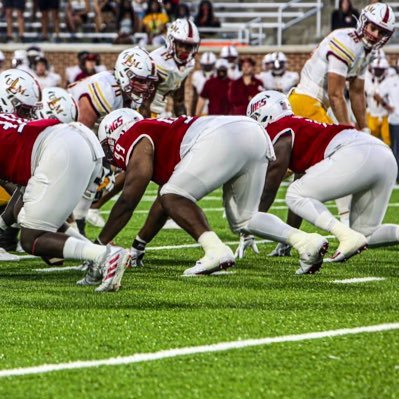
{"type": "Point", "coordinates": [137, 252]}
{"type": "Point", "coordinates": [246, 241]}
{"type": "Point", "coordinates": [281, 250]}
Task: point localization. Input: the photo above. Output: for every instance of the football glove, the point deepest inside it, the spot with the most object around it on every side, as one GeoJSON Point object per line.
{"type": "Point", "coordinates": [281, 250]}
{"type": "Point", "coordinates": [137, 252]}
{"type": "Point", "coordinates": [246, 241]}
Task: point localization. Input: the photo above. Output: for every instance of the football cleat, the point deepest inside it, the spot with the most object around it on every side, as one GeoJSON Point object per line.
{"type": "Point", "coordinates": [94, 218]}
{"type": "Point", "coordinates": [281, 250]}
{"type": "Point", "coordinates": [115, 262]}
{"type": "Point", "coordinates": [93, 274]}
{"type": "Point", "coordinates": [5, 256]}
{"type": "Point", "coordinates": [219, 259]}
{"type": "Point", "coordinates": [311, 251]}
{"type": "Point", "coordinates": [351, 244]}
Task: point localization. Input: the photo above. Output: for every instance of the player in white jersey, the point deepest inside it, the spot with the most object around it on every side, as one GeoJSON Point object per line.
{"type": "Point", "coordinates": [43, 74]}
{"type": "Point", "coordinates": [343, 56]}
{"type": "Point", "coordinates": [199, 77]}
{"type": "Point", "coordinates": [377, 115]}
{"type": "Point", "coordinates": [230, 54]}
{"type": "Point", "coordinates": [278, 78]}
{"type": "Point", "coordinates": [174, 63]}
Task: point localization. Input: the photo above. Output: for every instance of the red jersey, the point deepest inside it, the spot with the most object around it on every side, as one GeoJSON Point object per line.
{"type": "Point", "coordinates": [240, 94]}
{"type": "Point", "coordinates": [215, 90]}
{"type": "Point", "coordinates": [17, 138]}
{"type": "Point", "coordinates": [310, 139]}
{"type": "Point", "coordinates": [166, 136]}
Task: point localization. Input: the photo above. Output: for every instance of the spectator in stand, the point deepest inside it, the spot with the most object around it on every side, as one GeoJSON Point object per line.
{"type": "Point", "coordinates": [183, 11]}
{"type": "Point", "coordinates": [139, 7]}
{"type": "Point", "coordinates": [155, 21]}
{"type": "Point", "coordinates": [43, 75]}
{"type": "Point", "coordinates": [125, 17]}
{"type": "Point", "coordinates": [88, 67]}
{"type": "Point", "coordinates": [200, 76]}
{"type": "Point", "coordinates": [205, 17]}
{"type": "Point", "coordinates": [99, 7]}
{"type": "Point", "coordinates": [345, 16]}
{"type": "Point", "coordinates": [50, 8]}
{"type": "Point", "coordinates": [9, 7]}
{"type": "Point", "coordinates": [2, 59]}
{"type": "Point", "coordinates": [77, 13]}
{"type": "Point", "coordinates": [216, 91]}
{"type": "Point", "coordinates": [242, 90]}
{"type": "Point", "coordinates": [170, 8]}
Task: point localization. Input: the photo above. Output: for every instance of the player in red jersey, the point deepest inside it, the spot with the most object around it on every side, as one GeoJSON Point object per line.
{"type": "Point", "coordinates": [56, 163]}
{"type": "Point", "coordinates": [189, 157]}
{"type": "Point", "coordinates": [335, 160]}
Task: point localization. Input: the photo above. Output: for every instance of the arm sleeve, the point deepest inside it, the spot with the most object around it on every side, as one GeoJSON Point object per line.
{"type": "Point", "coordinates": [335, 65]}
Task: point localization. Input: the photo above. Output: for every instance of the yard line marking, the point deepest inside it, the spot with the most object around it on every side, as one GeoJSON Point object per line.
{"type": "Point", "coordinates": [58, 269]}
{"type": "Point", "coordinates": [193, 350]}
{"type": "Point", "coordinates": [358, 280]}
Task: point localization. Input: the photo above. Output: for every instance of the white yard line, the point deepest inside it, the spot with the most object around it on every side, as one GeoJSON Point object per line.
{"type": "Point", "coordinates": [358, 280]}
{"type": "Point", "coordinates": [193, 350]}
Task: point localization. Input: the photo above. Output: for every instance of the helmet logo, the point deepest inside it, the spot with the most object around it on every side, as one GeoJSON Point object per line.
{"type": "Point", "coordinates": [258, 104]}
{"type": "Point", "coordinates": [54, 104]}
{"type": "Point", "coordinates": [114, 125]}
{"type": "Point", "coordinates": [14, 87]}
{"type": "Point", "coordinates": [130, 61]}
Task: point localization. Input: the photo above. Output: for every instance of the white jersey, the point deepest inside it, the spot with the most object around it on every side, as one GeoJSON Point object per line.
{"type": "Point", "coordinates": [233, 72]}
{"type": "Point", "coordinates": [372, 87]}
{"type": "Point", "coordinates": [102, 90]}
{"type": "Point", "coordinates": [171, 75]}
{"type": "Point", "coordinates": [50, 79]}
{"type": "Point", "coordinates": [346, 46]}
{"type": "Point", "coordinates": [283, 83]}
{"type": "Point", "coordinates": [73, 71]}
{"type": "Point", "coordinates": [389, 91]}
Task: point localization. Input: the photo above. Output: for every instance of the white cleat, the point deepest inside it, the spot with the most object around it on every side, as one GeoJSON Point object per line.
{"type": "Point", "coordinates": [171, 225]}
{"type": "Point", "coordinates": [7, 257]}
{"type": "Point", "coordinates": [311, 251]}
{"type": "Point", "coordinates": [114, 265]}
{"type": "Point", "coordinates": [93, 274]}
{"type": "Point", "coordinates": [351, 244]}
{"type": "Point", "coordinates": [94, 218]}
{"type": "Point", "coordinates": [220, 259]}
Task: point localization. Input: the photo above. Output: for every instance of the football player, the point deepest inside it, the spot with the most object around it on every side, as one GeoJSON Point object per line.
{"type": "Point", "coordinates": [335, 160]}
{"type": "Point", "coordinates": [277, 77]}
{"type": "Point", "coordinates": [230, 54]}
{"type": "Point", "coordinates": [174, 63]}
{"type": "Point", "coordinates": [377, 115]}
{"type": "Point", "coordinates": [199, 77]}
{"type": "Point", "coordinates": [56, 163]}
{"type": "Point", "coordinates": [341, 58]}
{"type": "Point", "coordinates": [188, 157]}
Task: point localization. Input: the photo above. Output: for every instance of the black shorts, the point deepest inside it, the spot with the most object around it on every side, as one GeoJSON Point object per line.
{"type": "Point", "coordinates": [14, 4]}
{"type": "Point", "coordinates": [45, 5]}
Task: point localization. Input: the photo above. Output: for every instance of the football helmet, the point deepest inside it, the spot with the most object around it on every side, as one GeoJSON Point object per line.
{"type": "Point", "coordinates": [279, 61]}
{"type": "Point", "coordinates": [267, 61]}
{"type": "Point", "coordinates": [113, 126]}
{"type": "Point", "coordinates": [382, 16]}
{"type": "Point", "coordinates": [269, 106]}
{"type": "Point", "coordinates": [230, 54]}
{"type": "Point", "coordinates": [136, 73]}
{"type": "Point", "coordinates": [19, 93]}
{"type": "Point", "coordinates": [182, 40]}
{"type": "Point", "coordinates": [58, 104]}
{"type": "Point", "coordinates": [20, 59]}
{"type": "Point", "coordinates": [208, 61]}
{"type": "Point", "coordinates": [379, 68]}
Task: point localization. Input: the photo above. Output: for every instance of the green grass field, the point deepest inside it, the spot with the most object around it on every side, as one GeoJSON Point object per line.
{"type": "Point", "coordinates": [46, 319]}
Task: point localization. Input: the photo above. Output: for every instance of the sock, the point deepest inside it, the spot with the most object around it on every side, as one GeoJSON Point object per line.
{"type": "Point", "coordinates": [386, 234]}
{"type": "Point", "coordinates": [209, 240]}
{"type": "Point", "coordinates": [268, 226]}
{"type": "Point", "coordinates": [70, 231]}
{"type": "Point", "coordinates": [82, 208]}
{"type": "Point", "coordinates": [327, 221]}
{"type": "Point", "coordinates": [83, 250]}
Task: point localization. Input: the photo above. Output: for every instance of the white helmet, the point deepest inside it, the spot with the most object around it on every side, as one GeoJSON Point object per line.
{"type": "Point", "coordinates": [136, 73]}
{"type": "Point", "coordinates": [381, 15]}
{"type": "Point", "coordinates": [58, 104]}
{"type": "Point", "coordinates": [269, 106]}
{"type": "Point", "coordinates": [379, 68]}
{"type": "Point", "coordinates": [267, 61]}
{"type": "Point", "coordinates": [208, 58]}
{"type": "Point", "coordinates": [279, 61]}
{"type": "Point", "coordinates": [20, 58]}
{"type": "Point", "coordinates": [19, 92]}
{"type": "Point", "coordinates": [113, 126]}
{"type": "Point", "coordinates": [185, 33]}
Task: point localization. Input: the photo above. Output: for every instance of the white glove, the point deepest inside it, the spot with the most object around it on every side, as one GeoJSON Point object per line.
{"type": "Point", "coordinates": [137, 251]}
{"type": "Point", "coordinates": [281, 250]}
{"type": "Point", "coordinates": [246, 241]}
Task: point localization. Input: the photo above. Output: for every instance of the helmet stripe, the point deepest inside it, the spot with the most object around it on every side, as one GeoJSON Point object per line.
{"type": "Point", "coordinates": [386, 16]}
{"type": "Point", "coordinates": [190, 30]}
